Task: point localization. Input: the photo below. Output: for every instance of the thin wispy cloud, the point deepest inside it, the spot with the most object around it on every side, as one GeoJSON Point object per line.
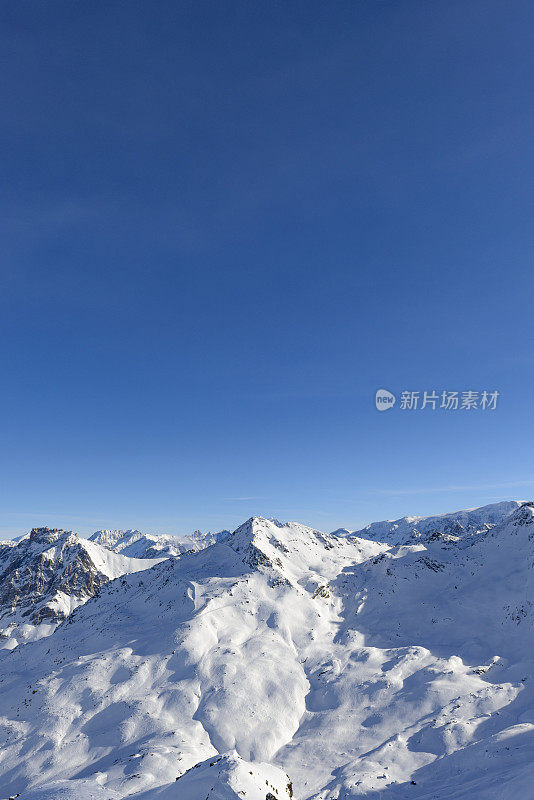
{"type": "Point", "coordinates": [244, 498]}
{"type": "Point", "coordinates": [453, 488]}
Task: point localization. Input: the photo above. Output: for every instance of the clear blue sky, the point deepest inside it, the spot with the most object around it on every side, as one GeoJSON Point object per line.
{"type": "Point", "coordinates": [225, 225]}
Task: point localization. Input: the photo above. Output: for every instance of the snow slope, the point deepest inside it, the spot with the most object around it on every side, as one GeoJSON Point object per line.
{"type": "Point", "coordinates": [356, 668]}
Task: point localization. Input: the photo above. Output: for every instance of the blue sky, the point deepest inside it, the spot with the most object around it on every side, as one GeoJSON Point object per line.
{"type": "Point", "coordinates": [226, 225]}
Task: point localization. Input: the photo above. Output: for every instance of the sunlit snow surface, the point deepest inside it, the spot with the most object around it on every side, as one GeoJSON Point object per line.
{"type": "Point", "coordinates": [283, 661]}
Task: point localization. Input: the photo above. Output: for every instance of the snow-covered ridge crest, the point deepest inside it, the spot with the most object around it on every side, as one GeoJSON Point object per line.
{"type": "Point", "coordinates": [458, 524]}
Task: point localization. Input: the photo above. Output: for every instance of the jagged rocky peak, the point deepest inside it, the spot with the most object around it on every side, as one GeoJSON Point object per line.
{"type": "Point", "coordinates": [47, 535]}
{"type": "Point", "coordinates": [47, 574]}
{"type": "Point", "coordinates": [36, 572]}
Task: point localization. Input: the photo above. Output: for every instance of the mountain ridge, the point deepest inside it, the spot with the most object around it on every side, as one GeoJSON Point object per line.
{"type": "Point", "coordinates": [456, 523]}
{"type": "Point", "coordinates": [340, 666]}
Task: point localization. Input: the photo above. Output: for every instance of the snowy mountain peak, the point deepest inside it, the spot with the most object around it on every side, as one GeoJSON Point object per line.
{"type": "Point", "coordinates": [290, 537]}
{"type": "Point", "coordinates": [46, 575]}
{"type": "Point", "coordinates": [294, 552]}
{"type": "Point", "coordinates": [45, 536]}
{"type": "Point", "coordinates": [112, 538]}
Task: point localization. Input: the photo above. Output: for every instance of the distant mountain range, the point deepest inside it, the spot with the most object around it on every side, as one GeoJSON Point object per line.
{"type": "Point", "coordinates": [276, 662]}
{"type": "Point", "coordinates": [141, 545]}
{"type": "Point", "coordinates": [409, 530]}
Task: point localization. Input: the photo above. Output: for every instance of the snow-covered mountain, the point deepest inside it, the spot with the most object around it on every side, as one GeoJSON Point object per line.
{"type": "Point", "coordinates": [281, 662]}
{"type": "Point", "coordinates": [46, 575]}
{"type": "Point", "coordinates": [458, 524]}
{"type": "Point", "coordinates": [144, 545]}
